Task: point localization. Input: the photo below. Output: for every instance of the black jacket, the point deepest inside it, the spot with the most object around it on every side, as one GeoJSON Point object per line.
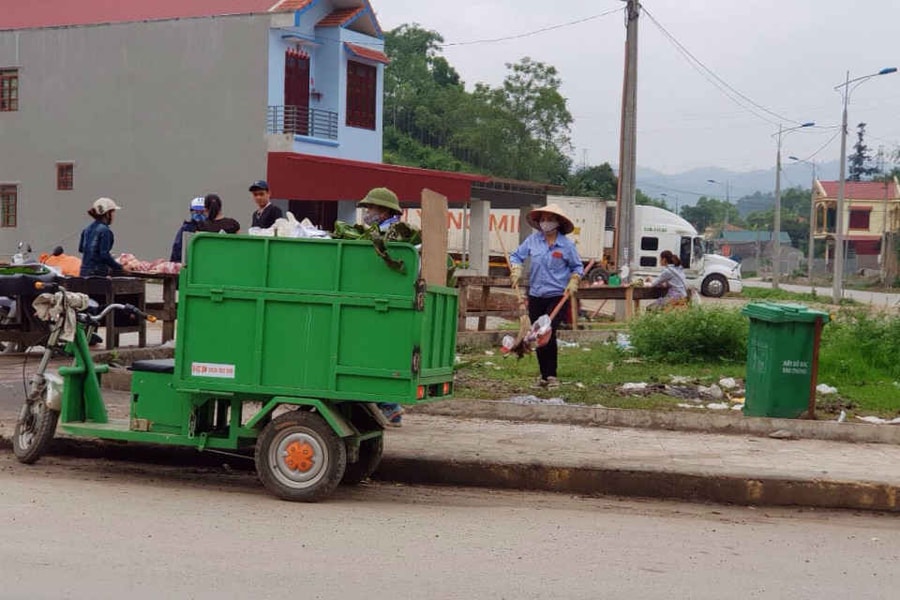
{"type": "Point", "coordinates": [269, 214]}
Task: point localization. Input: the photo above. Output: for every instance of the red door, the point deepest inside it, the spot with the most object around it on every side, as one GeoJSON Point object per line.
{"type": "Point", "coordinates": [296, 92]}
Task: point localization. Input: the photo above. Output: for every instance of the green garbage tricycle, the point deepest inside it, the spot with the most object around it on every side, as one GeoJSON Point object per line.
{"type": "Point", "coordinates": [284, 347]}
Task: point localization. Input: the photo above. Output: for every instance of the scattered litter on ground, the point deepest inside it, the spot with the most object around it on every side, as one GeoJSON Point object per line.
{"type": "Point", "coordinates": [737, 399]}
{"type": "Point", "coordinates": [717, 406]}
{"type": "Point", "coordinates": [634, 387]}
{"type": "Point", "coordinates": [737, 407]}
{"type": "Point", "coordinates": [825, 389]}
{"type": "Point", "coordinates": [171, 344]}
{"type": "Point", "coordinates": [623, 341]}
{"type": "Point", "coordinates": [488, 363]}
{"type": "Point", "coordinates": [632, 361]}
{"type": "Point", "coordinates": [879, 420]}
{"type": "Point", "coordinates": [682, 405]}
{"type": "Point", "coordinates": [565, 344]}
{"type": "Point", "coordinates": [610, 367]}
{"type": "Point", "coordinates": [535, 400]}
{"type": "Point", "coordinates": [842, 417]}
{"type": "Point", "coordinates": [585, 349]}
{"type": "Point", "coordinates": [579, 385]}
{"type": "Point", "coordinates": [458, 359]}
{"type": "Point", "coordinates": [727, 383]}
{"type": "Point", "coordinates": [783, 434]}
{"type": "Point", "coordinates": [488, 352]}
{"type": "Point", "coordinates": [714, 392]}
{"type": "Point", "coordinates": [679, 379]}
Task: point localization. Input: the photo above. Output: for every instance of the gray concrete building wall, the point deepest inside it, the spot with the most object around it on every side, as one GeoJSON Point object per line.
{"type": "Point", "coordinates": [151, 114]}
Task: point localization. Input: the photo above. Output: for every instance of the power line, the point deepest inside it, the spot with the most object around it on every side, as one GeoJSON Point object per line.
{"type": "Point", "coordinates": [732, 93]}
{"type": "Point", "coordinates": [534, 32]}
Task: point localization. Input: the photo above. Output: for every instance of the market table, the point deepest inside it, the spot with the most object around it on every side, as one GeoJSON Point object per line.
{"type": "Point", "coordinates": [108, 290]}
{"type": "Point", "coordinates": [167, 310]}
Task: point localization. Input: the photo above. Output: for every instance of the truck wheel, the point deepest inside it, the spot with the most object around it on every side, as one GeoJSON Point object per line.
{"type": "Point", "coordinates": [370, 452]}
{"type": "Point", "coordinates": [597, 274]}
{"type": "Point", "coordinates": [714, 286]}
{"type": "Point", "coordinates": [34, 428]}
{"type": "Point", "coordinates": [299, 457]}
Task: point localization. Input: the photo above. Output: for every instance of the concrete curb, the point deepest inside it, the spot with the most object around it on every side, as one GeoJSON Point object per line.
{"type": "Point", "coordinates": [746, 491]}
{"type": "Point", "coordinates": [706, 422]}
{"type": "Point", "coordinates": [670, 485]}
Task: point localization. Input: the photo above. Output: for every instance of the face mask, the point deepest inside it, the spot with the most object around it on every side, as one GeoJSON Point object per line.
{"type": "Point", "coordinates": [371, 218]}
{"type": "Point", "coordinates": [549, 226]}
{"type": "Point", "coordinates": [197, 216]}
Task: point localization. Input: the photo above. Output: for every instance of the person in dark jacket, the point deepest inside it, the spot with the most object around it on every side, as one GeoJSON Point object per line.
{"type": "Point", "coordinates": [198, 208]}
{"type": "Point", "coordinates": [97, 241]}
{"type": "Point", "coordinates": [266, 213]}
{"type": "Point", "coordinates": [215, 221]}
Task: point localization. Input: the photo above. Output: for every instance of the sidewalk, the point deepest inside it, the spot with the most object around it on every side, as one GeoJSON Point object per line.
{"type": "Point", "coordinates": [623, 461]}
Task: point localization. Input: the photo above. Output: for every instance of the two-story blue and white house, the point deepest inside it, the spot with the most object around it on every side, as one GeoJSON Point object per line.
{"type": "Point", "coordinates": [154, 103]}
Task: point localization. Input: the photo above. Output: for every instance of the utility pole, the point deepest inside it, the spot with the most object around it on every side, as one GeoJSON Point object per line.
{"type": "Point", "coordinates": [776, 234]}
{"type": "Point", "coordinates": [628, 144]}
{"type": "Point", "coordinates": [810, 253]}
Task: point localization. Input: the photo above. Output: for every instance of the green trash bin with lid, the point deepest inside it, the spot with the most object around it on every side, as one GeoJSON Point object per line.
{"type": "Point", "coordinates": [782, 359]}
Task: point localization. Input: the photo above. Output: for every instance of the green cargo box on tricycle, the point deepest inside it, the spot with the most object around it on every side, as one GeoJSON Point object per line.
{"type": "Point", "coordinates": [283, 347]}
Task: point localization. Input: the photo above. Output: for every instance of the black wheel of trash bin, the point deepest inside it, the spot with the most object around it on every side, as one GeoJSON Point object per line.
{"type": "Point", "coordinates": [35, 427]}
{"type": "Point", "coordinates": [299, 457]}
{"type": "Point", "coordinates": [370, 452]}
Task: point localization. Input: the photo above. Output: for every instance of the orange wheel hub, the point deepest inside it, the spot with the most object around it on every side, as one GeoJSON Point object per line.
{"type": "Point", "coordinates": [300, 457]}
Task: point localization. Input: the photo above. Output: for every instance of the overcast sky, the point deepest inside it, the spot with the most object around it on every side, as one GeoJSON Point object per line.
{"type": "Point", "coordinates": [785, 55]}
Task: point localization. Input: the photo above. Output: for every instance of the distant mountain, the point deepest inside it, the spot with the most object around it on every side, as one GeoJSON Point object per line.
{"type": "Point", "coordinates": [687, 187]}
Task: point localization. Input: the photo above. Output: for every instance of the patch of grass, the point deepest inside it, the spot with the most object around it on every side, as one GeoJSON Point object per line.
{"type": "Point", "coordinates": [860, 355]}
{"type": "Point", "coordinates": [758, 293]}
{"type": "Point", "coordinates": [695, 335]}
{"type": "Point", "coordinates": [599, 368]}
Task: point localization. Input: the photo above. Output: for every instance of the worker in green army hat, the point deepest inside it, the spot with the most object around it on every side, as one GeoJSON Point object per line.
{"type": "Point", "coordinates": [381, 208]}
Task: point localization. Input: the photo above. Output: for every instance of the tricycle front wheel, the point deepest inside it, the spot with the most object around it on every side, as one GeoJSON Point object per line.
{"type": "Point", "coordinates": [35, 428]}
{"type": "Point", "coordinates": [299, 457]}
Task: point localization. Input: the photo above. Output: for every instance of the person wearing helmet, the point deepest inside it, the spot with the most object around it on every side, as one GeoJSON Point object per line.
{"type": "Point", "coordinates": [97, 241]}
{"type": "Point", "coordinates": [215, 221]}
{"type": "Point", "coordinates": [198, 209]}
{"type": "Point", "coordinates": [266, 213]}
{"type": "Point", "coordinates": [381, 208]}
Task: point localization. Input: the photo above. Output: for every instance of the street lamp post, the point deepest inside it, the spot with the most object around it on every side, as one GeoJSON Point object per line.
{"type": "Point", "coordinates": [810, 255]}
{"type": "Point", "coordinates": [776, 233]}
{"type": "Point", "coordinates": [846, 90]}
{"type": "Point", "coordinates": [727, 186]}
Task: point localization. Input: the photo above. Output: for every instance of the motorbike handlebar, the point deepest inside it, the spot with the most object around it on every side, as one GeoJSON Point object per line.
{"type": "Point", "coordinates": [50, 287]}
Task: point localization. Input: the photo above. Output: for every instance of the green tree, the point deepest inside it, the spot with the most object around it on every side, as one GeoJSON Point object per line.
{"type": "Point", "coordinates": [710, 212]}
{"type": "Point", "coordinates": [643, 199]}
{"type": "Point", "coordinates": [599, 180]}
{"type": "Point", "coordinates": [860, 161]}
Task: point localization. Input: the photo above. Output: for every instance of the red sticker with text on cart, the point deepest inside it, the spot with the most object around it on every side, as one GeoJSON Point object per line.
{"type": "Point", "coordinates": [212, 370]}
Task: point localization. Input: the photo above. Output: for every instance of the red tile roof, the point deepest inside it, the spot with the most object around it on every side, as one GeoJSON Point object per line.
{"type": "Point", "coordinates": [24, 14]}
{"type": "Point", "coordinates": [862, 190]}
{"type": "Point", "coordinates": [340, 17]}
{"type": "Point", "coordinates": [367, 53]}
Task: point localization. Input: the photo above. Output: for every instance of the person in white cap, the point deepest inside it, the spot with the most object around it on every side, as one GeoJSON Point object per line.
{"type": "Point", "coordinates": [97, 241]}
{"type": "Point", "coordinates": [555, 269]}
{"type": "Point", "coordinates": [198, 210]}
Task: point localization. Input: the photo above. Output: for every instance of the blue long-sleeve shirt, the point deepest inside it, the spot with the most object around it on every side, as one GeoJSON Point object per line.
{"type": "Point", "coordinates": [551, 266]}
{"type": "Point", "coordinates": [96, 244]}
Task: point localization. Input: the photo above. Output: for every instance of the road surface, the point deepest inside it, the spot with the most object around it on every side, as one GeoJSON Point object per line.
{"type": "Point", "coordinates": [75, 528]}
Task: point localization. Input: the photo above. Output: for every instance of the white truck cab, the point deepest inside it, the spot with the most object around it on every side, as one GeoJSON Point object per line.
{"type": "Point", "coordinates": [656, 230]}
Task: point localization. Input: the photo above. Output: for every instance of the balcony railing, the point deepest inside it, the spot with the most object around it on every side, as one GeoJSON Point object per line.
{"type": "Point", "coordinates": [302, 120]}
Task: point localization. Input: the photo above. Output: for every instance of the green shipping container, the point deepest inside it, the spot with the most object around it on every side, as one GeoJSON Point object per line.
{"type": "Point", "coordinates": [781, 356]}
{"type": "Point", "coordinates": [325, 319]}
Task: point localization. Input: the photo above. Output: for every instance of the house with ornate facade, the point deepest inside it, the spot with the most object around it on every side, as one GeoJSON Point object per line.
{"type": "Point", "coordinates": [871, 210]}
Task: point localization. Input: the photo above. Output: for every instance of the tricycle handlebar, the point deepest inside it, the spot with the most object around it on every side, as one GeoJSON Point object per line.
{"type": "Point", "coordinates": [51, 287]}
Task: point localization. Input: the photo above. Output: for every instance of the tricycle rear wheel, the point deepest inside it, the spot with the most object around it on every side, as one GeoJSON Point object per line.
{"type": "Point", "coordinates": [299, 457]}
{"type": "Point", "coordinates": [370, 452]}
{"type": "Point", "coordinates": [34, 428]}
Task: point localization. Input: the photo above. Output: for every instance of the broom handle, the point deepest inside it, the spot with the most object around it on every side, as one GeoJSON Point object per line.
{"type": "Point", "coordinates": [509, 266]}
{"type": "Point", "coordinates": [559, 305]}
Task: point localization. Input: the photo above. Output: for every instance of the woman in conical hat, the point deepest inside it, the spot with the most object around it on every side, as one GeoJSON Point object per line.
{"type": "Point", "coordinates": [555, 269]}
